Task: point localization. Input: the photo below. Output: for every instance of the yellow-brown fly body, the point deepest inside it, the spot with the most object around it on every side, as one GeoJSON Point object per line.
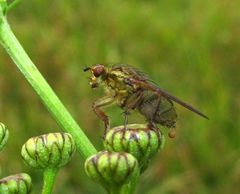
{"type": "Point", "coordinates": [131, 89]}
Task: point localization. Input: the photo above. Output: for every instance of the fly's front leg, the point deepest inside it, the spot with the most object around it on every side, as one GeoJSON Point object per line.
{"type": "Point", "coordinates": [96, 108]}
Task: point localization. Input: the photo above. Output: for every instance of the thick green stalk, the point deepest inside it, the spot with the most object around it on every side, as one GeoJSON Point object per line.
{"type": "Point", "coordinates": [39, 84]}
{"type": "Point", "coordinates": [124, 189]}
{"type": "Point", "coordinates": [49, 177]}
{"type": "Point", "coordinates": [12, 5]}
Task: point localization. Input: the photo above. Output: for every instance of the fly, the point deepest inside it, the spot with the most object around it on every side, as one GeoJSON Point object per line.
{"type": "Point", "coordinates": [131, 90]}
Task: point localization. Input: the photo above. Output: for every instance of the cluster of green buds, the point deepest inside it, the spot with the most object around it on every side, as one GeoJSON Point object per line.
{"type": "Point", "coordinates": [18, 183]}
{"type": "Point", "coordinates": [3, 135]}
{"type": "Point", "coordinates": [128, 151]}
{"type": "Point", "coordinates": [48, 152]}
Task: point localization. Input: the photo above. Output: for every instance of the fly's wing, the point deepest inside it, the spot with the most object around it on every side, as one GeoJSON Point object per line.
{"type": "Point", "coordinates": [148, 85]}
{"type": "Point", "coordinates": [135, 77]}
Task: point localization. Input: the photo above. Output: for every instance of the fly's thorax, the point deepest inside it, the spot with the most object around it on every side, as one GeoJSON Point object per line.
{"type": "Point", "coordinates": [116, 88]}
{"type": "Point", "coordinates": [114, 80]}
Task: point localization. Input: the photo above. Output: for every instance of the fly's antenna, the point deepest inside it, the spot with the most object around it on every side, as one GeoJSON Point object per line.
{"type": "Point", "coordinates": [86, 69]}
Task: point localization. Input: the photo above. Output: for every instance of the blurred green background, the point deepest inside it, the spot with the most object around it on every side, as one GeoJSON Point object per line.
{"type": "Point", "coordinates": [190, 48]}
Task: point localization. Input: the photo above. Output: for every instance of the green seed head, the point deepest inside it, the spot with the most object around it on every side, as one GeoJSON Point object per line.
{"type": "Point", "coordinates": [111, 168]}
{"type": "Point", "coordinates": [136, 139]}
{"type": "Point", "coordinates": [3, 135]}
{"type": "Point", "coordinates": [19, 183]}
{"type": "Point", "coordinates": [51, 150]}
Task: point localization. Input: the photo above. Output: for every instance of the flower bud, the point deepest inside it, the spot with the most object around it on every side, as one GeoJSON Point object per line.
{"type": "Point", "coordinates": [3, 135]}
{"type": "Point", "coordinates": [19, 183]}
{"type": "Point", "coordinates": [136, 139]}
{"type": "Point", "coordinates": [51, 150]}
{"type": "Point", "coordinates": [112, 168]}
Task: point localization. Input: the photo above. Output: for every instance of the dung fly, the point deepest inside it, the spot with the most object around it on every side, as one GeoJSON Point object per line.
{"type": "Point", "coordinates": [131, 90]}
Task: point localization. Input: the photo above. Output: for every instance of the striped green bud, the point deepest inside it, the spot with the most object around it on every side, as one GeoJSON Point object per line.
{"type": "Point", "coordinates": [112, 169]}
{"type": "Point", "coordinates": [3, 135]}
{"type": "Point", "coordinates": [51, 150]}
{"type": "Point", "coordinates": [136, 139]}
{"type": "Point", "coordinates": [16, 184]}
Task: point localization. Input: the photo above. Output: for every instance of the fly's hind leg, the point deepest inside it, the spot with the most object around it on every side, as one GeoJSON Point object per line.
{"type": "Point", "coordinates": [130, 104]}
{"type": "Point", "coordinates": [153, 126]}
{"type": "Point", "coordinates": [96, 108]}
{"type": "Point", "coordinates": [126, 114]}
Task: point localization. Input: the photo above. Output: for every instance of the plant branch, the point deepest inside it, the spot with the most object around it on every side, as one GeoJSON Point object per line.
{"type": "Point", "coordinates": [12, 5]}
{"type": "Point", "coordinates": [49, 176]}
{"type": "Point", "coordinates": [41, 87]}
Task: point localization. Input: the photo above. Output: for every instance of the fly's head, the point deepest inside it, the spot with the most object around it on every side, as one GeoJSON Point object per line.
{"type": "Point", "coordinates": [97, 73]}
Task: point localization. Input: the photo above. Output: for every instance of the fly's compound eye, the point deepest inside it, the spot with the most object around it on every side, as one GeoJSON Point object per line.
{"type": "Point", "coordinates": [98, 70]}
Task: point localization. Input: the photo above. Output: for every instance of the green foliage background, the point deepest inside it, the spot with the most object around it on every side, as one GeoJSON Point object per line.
{"type": "Point", "coordinates": [190, 48]}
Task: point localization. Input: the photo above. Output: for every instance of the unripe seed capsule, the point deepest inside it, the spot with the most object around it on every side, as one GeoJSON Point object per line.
{"type": "Point", "coordinates": [136, 139]}
{"type": "Point", "coordinates": [19, 183]}
{"type": "Point", "coordinates": [51, 150]}
{"type": "Point", "coordinates": [3, 135]}
{"type": "Point", "coordinates": [111, 168]}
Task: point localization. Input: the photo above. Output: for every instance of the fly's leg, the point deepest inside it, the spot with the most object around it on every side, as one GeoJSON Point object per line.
{"type": "Point", "coordinates": [152, 126]}
{"type": "Point", "coordinates": [130, 104]}
{"type": "Point", "coordinates": [126, 113]}
{"type": "Point", "coordinates": [96, 108]}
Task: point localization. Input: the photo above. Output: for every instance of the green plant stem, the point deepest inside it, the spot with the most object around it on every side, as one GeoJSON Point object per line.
{"type": "Point", "coordinates": [13, 4]}
{"type": "Point", "coordinates": [44, 91]}
{"type": "Point", "coordinates": [127, 188]}
{"type": "Point", "coordinates": [49, 176]}
{"type": "Point", "coordinates": [122, 189]}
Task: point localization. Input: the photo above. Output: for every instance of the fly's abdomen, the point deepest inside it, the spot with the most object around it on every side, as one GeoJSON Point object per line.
{"type": "Point", "coordinates": [158, 109]}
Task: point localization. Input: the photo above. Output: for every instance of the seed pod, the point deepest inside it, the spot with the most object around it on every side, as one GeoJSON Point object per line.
{"type": "Point", "coordinates": [112, 169]}
{"type": "Point", "coordinates": [136, 139]}
{"type": "Point", "coordinates": [19, 183]}
{"type": "Point", "coordinates": [3, 135]}
{"type": "Point", "coordinates": [51, 150]}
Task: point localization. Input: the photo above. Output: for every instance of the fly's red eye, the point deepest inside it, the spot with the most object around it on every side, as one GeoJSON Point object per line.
{"type": "Point", "coordinates": [98, 70]}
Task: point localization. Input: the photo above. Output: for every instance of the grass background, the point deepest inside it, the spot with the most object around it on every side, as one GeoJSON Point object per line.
{"type": "Point", "coordinates": [190, 48]}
